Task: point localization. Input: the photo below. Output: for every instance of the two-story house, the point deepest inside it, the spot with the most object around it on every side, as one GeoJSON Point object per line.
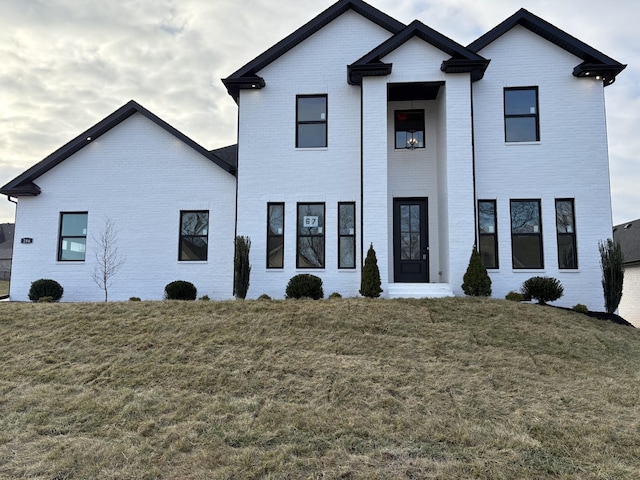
{"type": "Point", "coordinates": [357, 129]}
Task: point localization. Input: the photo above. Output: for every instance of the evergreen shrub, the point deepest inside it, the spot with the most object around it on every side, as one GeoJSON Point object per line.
{"type": "Point", "coordinates": [476, 281]}
{"type": "Point", "coordinates": [335, 295]}
{"type": "Point", "coordinates": [45, 287]}
{"type": "Point", "coordinates": [612, 263]}
{"type": "Point", "coordinates": [514, 296]}
{"type": "Point", "coordinates": [180, 290]}
{"type": "Point", "coordinates": [305, 286]}
{"type": "Point", "coordinates": [543, 289]}
{"type": "Point", "coordinates": [370, 285]}
{"type": "Point", "coordinates": [580, 308]}
{"type": "Point", "coordinates": [242, 268]}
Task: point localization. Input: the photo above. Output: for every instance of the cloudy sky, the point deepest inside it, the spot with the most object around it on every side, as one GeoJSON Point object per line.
{"type": "Point", "coordinates": [67, 64]}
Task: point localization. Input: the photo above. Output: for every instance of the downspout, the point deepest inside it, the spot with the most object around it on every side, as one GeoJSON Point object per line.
{"type": "Point", "coordinates": [235, 226]}
{"type": "Point", "coordinates": [473, 165]}
{"type": "Point", "coordinates": [361, 177]}
{"type": "Point", "coordinates": [12, 201]}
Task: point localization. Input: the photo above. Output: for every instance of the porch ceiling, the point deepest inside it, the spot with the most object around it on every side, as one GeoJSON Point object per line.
{"type": "Point", "coordinates": [398, 92]}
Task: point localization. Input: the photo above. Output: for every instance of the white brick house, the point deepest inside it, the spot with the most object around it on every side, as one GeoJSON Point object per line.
{"type": "Point", "coordinates": [358, 130]}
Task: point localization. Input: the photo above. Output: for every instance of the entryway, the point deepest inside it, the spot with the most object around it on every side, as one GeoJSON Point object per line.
{"type": "Point", "coordinates": [410, 240]}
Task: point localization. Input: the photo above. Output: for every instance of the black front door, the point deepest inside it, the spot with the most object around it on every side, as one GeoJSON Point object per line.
{"type": "Point", "coordinates": [410, 240]}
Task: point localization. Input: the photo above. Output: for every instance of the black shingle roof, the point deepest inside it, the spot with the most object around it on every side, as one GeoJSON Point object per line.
{"type": "Point", "coordinates": [628, 236]}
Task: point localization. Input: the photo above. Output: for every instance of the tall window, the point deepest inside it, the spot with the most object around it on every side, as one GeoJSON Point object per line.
{"type": "Point", "coordinates": [310, 235]}
{"type": "Point", "coordinates": [488, 236]}
{"type": "Point", "coordinates": [275, 235]}
{"type": "Point", "coordinates": [526, 234]}
{"type": "Point", "coordinates": [521, 122]}
{"type": "Point", "coordinates": [566, 229]}
{"type": "Point", "coordinates": [194, 235]}
{"type": "Point", "coordinates": [72, 243]}
{"type": "Point", "coordinates": [311, 121]}
{"type": "Point", "coordinates": [347, 235]}
{"type": "Point", "coordinates": [409, 128]}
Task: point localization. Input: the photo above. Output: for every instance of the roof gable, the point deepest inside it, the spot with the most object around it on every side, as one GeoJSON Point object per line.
{"type": "Point", "coordinates": [595, 63]}
{"type": "Point", "coordinates": [628, 236]}
{"type": "Point", "coordinates": [247, 76]}
{"type": "Point", "coordinates": [462, 59]}
{"type": "Point", "coordinates": [24, 185]}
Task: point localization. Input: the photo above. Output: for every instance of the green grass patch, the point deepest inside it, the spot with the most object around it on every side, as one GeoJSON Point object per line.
{"type": "Point", "coordinates": [353, 388]}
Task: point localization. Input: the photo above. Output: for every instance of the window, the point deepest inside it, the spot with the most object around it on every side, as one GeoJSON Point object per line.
{"type": "Point", "coordinates": [521, 123]}
{"type": "Point", "coordinates": [409, 128]}
{"type": "Point", "coordinates": [488, 236]}
{"type": "Point", "coordinates": [347, 235]}
{"type": "Point", "coordinates": [73, 236]}
{"type": "Point", "coordinates": [310, 235]}
{"type": "Point", "coordinates": [194, 235]}
{"type": "Point", "coordinates": [275, 235]}
{"type": "Point", "coordinates": [566, 228]}
{"type": "Point", "coordinates": [311, 121]}
{"type": "Point", "coordinates": [526, 234]}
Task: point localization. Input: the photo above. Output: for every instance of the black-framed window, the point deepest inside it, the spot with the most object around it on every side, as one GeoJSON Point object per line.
{"type": "Point", "coordinates": [275, 235]}
{"type": "Point", "coordinates": [346, 235]}
{"type": "Point", "coordinates": [409, 128]}
{"type": "Point", "coordinates": [72, 244]}
{"type": "Point", "coordinates": [566, 230]}
{"type": "Point", "coordinates": [526, 234]}
{"type": "Point", "coordinates": [310, 235]}
{"type": "Point", "coordinates": [311, 121]}
{"type": "Point", "coordinates": [521, 119]}
{"type": "Point", "coordinates": [194, 235]}
{"type": "Point", "coordinates": [488, 233]}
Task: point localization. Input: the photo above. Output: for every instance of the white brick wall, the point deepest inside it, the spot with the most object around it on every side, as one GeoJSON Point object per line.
{"type": "Point", "coordinates": [140, 177]}
{"type": "Point", "coordinates": [570, 161]}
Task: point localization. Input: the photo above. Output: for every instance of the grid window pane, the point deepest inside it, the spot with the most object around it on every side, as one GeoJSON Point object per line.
{"type": "Point", "coordinates": [312, 135]}
{"type": "Point", "coordinates": [72, 242]}
{"type": "Point", "coordinates": [409, 128]}
{"type": "Point", "coordinates": [566, 232]}
{"type": "Point", "coordinates": [311, 121]}
{"type": "Point", "coordinates": [347, 235]}
{"type": "Point", "coordinates": [488, 233]}
{"type": "Point", "coordinates": [521, 117]}
{"type": "Point", "coordinates": [310, 235]}
{"type": "Point", "coordinates": [194, 236]}
{"type": "Point", "coordinates": [526, 234]}
{"type": "Point", "coordinates": [275, 235]}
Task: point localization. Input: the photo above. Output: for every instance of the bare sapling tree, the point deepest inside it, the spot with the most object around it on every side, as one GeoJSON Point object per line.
{"type": "Point", "coordinates": [108, 260]}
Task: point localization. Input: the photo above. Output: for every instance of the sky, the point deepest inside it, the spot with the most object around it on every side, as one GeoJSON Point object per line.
{"type": "Point", "coordinates": [67, 64]}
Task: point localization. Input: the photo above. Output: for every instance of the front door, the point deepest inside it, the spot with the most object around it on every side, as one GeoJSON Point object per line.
{"type": "Point", "coordinates": [410, 240]}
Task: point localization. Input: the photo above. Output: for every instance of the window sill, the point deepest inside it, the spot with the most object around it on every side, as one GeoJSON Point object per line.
{"type": "Point", "coordinates": [192, 262]}
{"type": "Point", "coordinates": [510, 144]}
{"type": "Point", "coordinates": [311, 149]}
{"type": "Point", "coordinates": [70, 262]}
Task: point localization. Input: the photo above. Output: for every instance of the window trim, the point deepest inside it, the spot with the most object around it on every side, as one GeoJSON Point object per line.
{"type": "Point", "coordinates": [323, 235]}
{"type": "Point", "coordinates": [271, 235]}
{"type": "Point", "coordinates": [324, 122]}
{"type": "Point", "coordinates": [535, 234]}
{"type": "Point", "coordinates": [350, 235]}
{"type": "Point", "coordinates": [181, 236]}
{"type": "Point", "coordinates": [521, 115]}
{"type": "Point", "coordinates": [494, 234]}
{"type": "Point", "coordinates": [395, 128]}
{"type": "Point", "coordinates": [572, 235]}
{"type": "Point", "coordinates": [62, 238]}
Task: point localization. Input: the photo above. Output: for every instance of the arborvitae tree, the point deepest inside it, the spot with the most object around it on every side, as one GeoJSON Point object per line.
{"type": "Point", "coordinates": [611, 261]}
{"type": "Point", "coordinates": [476, 281]}
{"type": "Point", "coordinates": [242, 268]}
{"type": "Point", "coordinates": [370, 281]}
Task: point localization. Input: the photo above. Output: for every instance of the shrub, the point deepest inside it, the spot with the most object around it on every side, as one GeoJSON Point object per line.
{"type": "Point", "coordinates": [264, 296]}
{"type": "Point", "coordinates": [242, 268]}
{"type": "Point", "coordinates": [134, 299]}
{"type": "Point", "coordinates": [370, 281]}
{"type": "Point", "coordinates": [581, 308]}
{"type": "Point", "coordinates": [476, 281]}
{"type": "Point", "coordinates": [45, 287]}
{"type": "Point", "coordinates": [180, 290]}
{"type": "Point", "coordinates": [335, 295]}
{"type": "Point", "coordinates": [514, 296]}
{"type": "Point", "coordinates": [305, 285]}
{"type": "Point", "coordinates": [204, 298]}
{"type": "Point", "coordinates": [45, 300]}
{"type": "Point", "coordinates": [543, 289]}
{"type": "Point", "coordinates": [611, 260]}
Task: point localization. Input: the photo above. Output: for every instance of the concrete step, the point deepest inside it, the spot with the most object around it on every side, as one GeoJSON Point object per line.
{"type": "Point", "coordinates": [419, 290]}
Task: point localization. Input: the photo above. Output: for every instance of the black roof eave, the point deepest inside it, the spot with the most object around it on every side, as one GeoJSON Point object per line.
{"type": "Point", "coordinates": [609, 67]}
{"type": "Point", "coordinates": [235, 82]}
{"type": "Point", "coordinates": [23, 185]}
{"type": "Point", "coordinates": [462, 59]}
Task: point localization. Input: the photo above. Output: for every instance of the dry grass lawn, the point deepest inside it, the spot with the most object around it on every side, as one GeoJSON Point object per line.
{"type": "Point", "coordinates": [4, 287]}
{"type": "Point", "coordinates": [353, 388]}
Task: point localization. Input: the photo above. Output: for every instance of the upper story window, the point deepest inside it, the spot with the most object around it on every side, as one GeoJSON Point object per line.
{"type": "Point", "coordinates": [311, 121]}
{"type": "Point", "coordinates": [566, 230]}
{"type": "Point", "coordinates": [409, 128]}
{"type": "Point", "coordinates": [488, 233]}
{"type": "Point", "coordinates": [526, 234]}
{"type": "Point", "coordinates": [194, 235]}
{"type": "Point", "coordinates": [72, 243]}
{"type": "Point", "coordinates": [521, 119]}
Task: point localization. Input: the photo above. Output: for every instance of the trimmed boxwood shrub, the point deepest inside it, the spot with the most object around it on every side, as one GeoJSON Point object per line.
{"type": "Point", "coordinates": [580, 308]}
{"type": "Point", "coordinates": [264, 296]}
{"type": "Point", "coordinates": [180, 290]}
{"type": "Point", "coordinates": [45, 287]}
{"type": "Point", "coordinates": [514, 296]}
{"type": "Point", "coordinates": [543, 289]}
{"type": "Point", "coordinates": [305, 285]}
{"type": "Point", "coordinates": [335, 295]}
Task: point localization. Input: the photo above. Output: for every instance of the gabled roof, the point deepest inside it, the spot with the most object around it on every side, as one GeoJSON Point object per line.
{"type": "Point", "coordinates": [628, 236]}
{"type": "Point", "coordinates": [24, 185]}
{"type": "Point", "coordinates": [247, 76]}
{"type": "Point", "coordinates": [594, 63]}
{"type": "Point", "coordinates": [462, 59]}
{"type": "Point", "coordinates": [228, 154]}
